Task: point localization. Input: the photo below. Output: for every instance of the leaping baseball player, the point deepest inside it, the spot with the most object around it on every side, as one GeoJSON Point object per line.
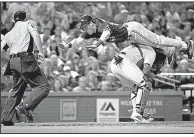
{"type": "Point", "coordinates": [132, 31]}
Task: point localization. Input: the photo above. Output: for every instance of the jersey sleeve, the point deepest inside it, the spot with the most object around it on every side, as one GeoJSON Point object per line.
{"type": "Point", "coordinates": [104, 26]}
{"type": "Point", "coordinates": [32, 26]}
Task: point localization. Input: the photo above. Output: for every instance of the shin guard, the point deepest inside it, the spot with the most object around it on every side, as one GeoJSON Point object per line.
{"type": "Point", "coordinates": [142, 96]}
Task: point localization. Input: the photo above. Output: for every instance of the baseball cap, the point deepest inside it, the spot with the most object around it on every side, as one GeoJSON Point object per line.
{"type": "Point", "coordinates": [84, 21]}
{"type": "Point", "coordinates": [19, 16]}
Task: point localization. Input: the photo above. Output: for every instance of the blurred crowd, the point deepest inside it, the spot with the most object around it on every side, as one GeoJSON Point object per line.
{"type": "Point", "coordinates": [78, 69]}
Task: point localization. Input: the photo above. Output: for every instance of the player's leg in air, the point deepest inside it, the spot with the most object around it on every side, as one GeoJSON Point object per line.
{"type": "Point", "coordinates": [131, 76]}
{"type": "Point", "coordinates": [141, 35]}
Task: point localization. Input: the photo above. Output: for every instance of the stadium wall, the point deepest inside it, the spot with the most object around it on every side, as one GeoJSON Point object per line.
{"type": "Point", "coordinates": [83, 106]}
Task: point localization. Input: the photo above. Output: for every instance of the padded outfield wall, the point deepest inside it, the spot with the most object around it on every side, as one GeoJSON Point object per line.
{"type": "Point", "coordinates": [166, 105]}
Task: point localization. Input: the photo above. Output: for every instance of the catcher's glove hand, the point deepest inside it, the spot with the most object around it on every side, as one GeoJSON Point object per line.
{"type": "Point", "coordinates": [149, 80]}
{"type": "Point", "coordinates": [118, 59]}
{"type": "Point", "coordinates": [150, 77]}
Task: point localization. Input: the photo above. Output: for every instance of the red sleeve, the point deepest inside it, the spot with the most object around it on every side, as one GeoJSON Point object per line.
{"type": "Point", "coordinates": [103, 25]}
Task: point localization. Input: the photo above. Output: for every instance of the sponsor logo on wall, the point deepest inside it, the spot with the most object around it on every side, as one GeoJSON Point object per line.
{"type": "Point", "coordinates": [107, 110]}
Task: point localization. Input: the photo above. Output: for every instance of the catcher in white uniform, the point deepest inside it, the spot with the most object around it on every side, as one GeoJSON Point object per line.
{"type": "Point", "coordinates": [133, 67]}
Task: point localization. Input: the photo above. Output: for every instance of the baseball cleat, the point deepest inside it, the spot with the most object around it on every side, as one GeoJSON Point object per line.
{"type": "Point", "coordinates": [26, 113]}
{"type": "Point", "coordinates": [6, 123]}
{"type": "Point", "coordinates": [149, 117]}
{"type": "Point", "coordinates": [138, 118]}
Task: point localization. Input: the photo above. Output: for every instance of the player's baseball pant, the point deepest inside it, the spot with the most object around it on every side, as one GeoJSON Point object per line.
{"type": "Point", "coordinates": [131, 76]}
{"type": "Point", "coordinates": [139, 34]}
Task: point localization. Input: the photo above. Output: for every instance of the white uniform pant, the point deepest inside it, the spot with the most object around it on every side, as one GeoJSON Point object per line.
{"type": "Point", "coordinates": [131, 76]}
{"type": "Point", "coordinates": [142, 36]}
{"type": "Point", "coordinates": [127, 72]}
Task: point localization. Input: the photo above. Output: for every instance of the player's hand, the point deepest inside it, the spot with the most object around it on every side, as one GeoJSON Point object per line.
{"type": "Point", "coordinates": [41, 56]}
{"type": "Point", "coordinates": [148, 82]}
{"type": "Point", "coordinates": [92, 46]}
{"type": "Point", "coordinates": [149, 77]}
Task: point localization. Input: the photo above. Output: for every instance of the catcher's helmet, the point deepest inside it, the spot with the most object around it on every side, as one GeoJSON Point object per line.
{"type": "Point", "coordinates": [84, 20]}
{"type": "Point", "coordinates": [19, 16]}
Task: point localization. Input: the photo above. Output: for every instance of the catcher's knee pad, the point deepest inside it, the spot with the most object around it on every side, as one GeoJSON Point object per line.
{"type": "Point", "coordinates": [142, 96]}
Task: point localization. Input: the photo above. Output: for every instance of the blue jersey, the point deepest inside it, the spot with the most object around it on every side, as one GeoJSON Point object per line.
{"type": "Point", "coordinates": [118, 33]}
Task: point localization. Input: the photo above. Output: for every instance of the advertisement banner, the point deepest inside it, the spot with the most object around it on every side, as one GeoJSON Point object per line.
{"type": "Point", "coordinates": [67, 109]}
{"type": "Point", "coordinates": [155, 105]}
{"type": "Point", "coordinates": [107, 110]}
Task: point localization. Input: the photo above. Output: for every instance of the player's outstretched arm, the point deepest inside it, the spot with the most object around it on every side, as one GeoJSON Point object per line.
{"type": "Point", "coordinates": [64, 46]}
{"type": "Point", "coordinates": [105, 35]}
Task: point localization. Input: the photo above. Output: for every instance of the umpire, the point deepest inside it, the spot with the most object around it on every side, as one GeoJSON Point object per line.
{"type": "Point", "coordinates": [23, 66]}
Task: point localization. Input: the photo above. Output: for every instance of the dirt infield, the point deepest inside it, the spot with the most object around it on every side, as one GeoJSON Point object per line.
{"type": "Point", "coordinates": [94, 127]}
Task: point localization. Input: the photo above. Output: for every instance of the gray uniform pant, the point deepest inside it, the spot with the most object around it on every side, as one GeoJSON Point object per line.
{"type": "Point", "coordinates": [25, 70]}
